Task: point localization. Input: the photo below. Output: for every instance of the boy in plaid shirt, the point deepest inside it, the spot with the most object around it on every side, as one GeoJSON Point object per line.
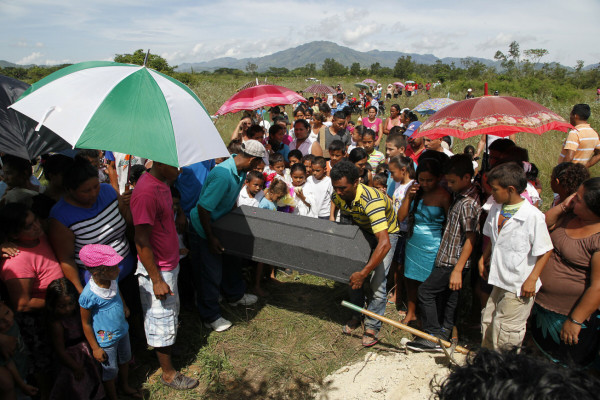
{"type": "Point", "coordinates": [438, 295]}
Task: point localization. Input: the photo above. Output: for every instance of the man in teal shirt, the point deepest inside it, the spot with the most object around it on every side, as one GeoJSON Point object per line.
{"type": "Point", "coordinates": [216, 272]}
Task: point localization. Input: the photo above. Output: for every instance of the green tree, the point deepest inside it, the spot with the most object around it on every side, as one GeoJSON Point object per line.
{"type": "Point", "coordinates": [404, 67]}
{"type": "Point", "coordinates": [277, 71]}
{"type": "Point", "coordinates": [474, 68]}
{"type": "Point", "coordinates": [154, 61]}
{"type": "Point", "coordinates": [535, 55]}
{"type": "Point", "coordinates": [375, 69]}
{"type": "Point", "coordinates": [333, 68]}
{"type": "Point", "coordinates": [355, 69]}
{"type": "Point", "coordinates": [251, 68]}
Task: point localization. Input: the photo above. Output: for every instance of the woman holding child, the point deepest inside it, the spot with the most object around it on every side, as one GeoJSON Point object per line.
{"type": "Point", "coordinates": [566, 310]}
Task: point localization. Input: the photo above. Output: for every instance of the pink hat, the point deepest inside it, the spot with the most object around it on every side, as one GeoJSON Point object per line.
{"type": "Point", "coordinates": [95, 255]}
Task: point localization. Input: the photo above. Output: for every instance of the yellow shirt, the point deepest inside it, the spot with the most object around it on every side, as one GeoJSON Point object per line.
{"type": "Point", "coordinates": [372, 210]}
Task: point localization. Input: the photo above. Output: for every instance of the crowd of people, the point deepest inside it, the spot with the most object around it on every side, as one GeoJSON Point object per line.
{"type": "Point", "coordinates": [113, 241]}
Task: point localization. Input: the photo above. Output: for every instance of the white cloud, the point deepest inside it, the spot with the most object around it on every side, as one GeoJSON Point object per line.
{"type": "Point", "coordinates": [59, 62]}
{"type": "Point", "coordinates": [22, 43]}
{"type": "Point", "coordinates": [30, 59]}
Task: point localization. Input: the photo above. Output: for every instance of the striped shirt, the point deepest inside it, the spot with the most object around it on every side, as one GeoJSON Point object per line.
{"type": "Point", "coordinates": [375, 158]}
{"type": "Point", "coordinates": [583, 140]}
{"type": "Point", "coordinates": [100, 224]}
{"type": "Point", "coordinates": [371, 210]}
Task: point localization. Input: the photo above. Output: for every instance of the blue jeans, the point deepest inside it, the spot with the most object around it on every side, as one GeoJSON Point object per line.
{"type": "Point", "coordinates": [117, 354]}
{"type": "Point", "coordinates": [374, 290]}
{"type": "Point", "coordinates": [213, 274]}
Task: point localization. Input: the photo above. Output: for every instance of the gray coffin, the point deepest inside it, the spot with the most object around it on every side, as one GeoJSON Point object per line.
{"type": "Point", "coordinates": [310, 245]}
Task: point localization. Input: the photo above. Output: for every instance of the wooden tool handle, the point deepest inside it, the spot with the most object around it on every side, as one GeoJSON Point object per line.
{"type": "Point", "coordinates": [407, 328]}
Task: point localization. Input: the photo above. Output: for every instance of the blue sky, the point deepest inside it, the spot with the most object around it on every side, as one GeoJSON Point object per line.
{"type": "Point", "coordinates": [52, 32]}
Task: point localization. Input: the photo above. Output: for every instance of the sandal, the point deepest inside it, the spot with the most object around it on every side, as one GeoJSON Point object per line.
{"type": "Point", "coordinates": [370, 338]}
{"type": "Point", "coordinates": [181, 382]}
{"type": "Point", "coordinates": [350, 326]}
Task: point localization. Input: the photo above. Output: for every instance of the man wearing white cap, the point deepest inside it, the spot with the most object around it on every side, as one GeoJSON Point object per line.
{"type": "Point", "coordinates": [469, 94]}
{"type": "Point", "coordinates": [216, 272]}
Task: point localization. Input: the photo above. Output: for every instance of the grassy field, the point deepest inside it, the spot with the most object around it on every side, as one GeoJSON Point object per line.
{"type": "Point", "coordinates": [285, 346]}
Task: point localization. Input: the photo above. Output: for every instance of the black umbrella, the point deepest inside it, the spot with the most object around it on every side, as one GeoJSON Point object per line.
{"type": "Point", "coordinates": [17, 132]}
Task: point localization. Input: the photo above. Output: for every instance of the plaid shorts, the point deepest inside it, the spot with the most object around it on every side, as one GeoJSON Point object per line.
{"type": "Point", "coordinates": [160, 316]}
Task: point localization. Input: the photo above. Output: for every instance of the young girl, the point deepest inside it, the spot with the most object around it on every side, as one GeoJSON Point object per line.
{"type": "Point", "coordinates": [303, 199]}
{"type": "Point", "coordinates": [103, 314]}
{"type": "Point", "coordinates": [368, 143]}
{"type": "Point", "coordinates": [425, 205]}
{"type": "Point", "coordinates": [359, 157]}
{"type": "Point", "coordinates": [307, 160]}
{"type": "Point", "coordinates": [402, 171]}
{"type": "Point", "coordinates": [565, 180]}
{"type": "Point", "coordinates": [77, 375]}
{"type": "Point", "coordinates": [277, 168]}
{"type": "Point", "coordinates": [380, 182]}
{"type": "Point", "coordinates": [276, 191]}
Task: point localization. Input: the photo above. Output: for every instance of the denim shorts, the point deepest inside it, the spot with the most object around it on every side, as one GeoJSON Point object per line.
{"type": "Point", "coordinates": [117, 354]}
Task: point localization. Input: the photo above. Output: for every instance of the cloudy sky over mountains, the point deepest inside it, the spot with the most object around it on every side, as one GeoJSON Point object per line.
{"type": "Point", "coordinates": [53, 32]}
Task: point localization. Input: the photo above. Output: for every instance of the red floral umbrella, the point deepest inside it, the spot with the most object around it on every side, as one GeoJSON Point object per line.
{"type": "Point", "coordinates": [495, 115]}
{"type": "Point", "coordinates": [259, 96]}
{"type": "Point", "coordinates": [320, 89]}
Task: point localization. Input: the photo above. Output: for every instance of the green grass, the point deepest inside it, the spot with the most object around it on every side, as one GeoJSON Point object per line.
{"type": "Point", "coordinates": [285, 346]}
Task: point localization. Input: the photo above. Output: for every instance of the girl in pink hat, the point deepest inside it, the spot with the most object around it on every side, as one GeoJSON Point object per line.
{"type": "Point", "coordinates": [103, 314]}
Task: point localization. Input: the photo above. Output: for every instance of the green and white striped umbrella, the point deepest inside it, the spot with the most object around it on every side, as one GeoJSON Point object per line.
{"type": "Point", "coordinates": [125, 108]}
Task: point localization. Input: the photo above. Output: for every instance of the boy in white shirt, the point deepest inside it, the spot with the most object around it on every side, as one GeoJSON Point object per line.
{"type": "Point", "coordinates": [319, 187]}
{"type": "Point", "coordinates": [252, 192]}
{"type": "Point", "coordinates": [519, 247]}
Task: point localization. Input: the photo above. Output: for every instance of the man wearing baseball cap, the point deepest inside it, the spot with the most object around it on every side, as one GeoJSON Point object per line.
{"type": "Point", "coordinates": [470, 94]}
{"type": "Point", "coordinates": [215, 272]}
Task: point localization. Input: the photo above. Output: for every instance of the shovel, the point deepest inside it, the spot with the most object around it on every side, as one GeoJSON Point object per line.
{"type": "Point", "coordinates": [447, 347]}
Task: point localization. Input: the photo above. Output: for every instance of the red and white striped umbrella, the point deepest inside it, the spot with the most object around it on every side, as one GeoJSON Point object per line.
{"type": "Point", "coordinates": [259, 96]}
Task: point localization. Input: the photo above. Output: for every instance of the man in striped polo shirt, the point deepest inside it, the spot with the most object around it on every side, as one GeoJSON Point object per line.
{"type": "Point", "coordinates": [582, 145]}
{"type": "Point", "coordinates": [374, 213]}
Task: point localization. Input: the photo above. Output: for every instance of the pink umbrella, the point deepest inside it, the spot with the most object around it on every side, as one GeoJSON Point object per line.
{"type": "Point", "coordinates": [259, 96]}
{"type": "Point", "coordinates": [399, 84]}
{"type": "Point", "coordinates": [369, 81]}
{"type": "Point", "coordinates": [495, 115]}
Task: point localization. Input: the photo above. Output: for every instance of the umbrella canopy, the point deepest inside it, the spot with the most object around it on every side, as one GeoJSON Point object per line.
{"type": "Point", "coordinates": [409, 82]}
{"type": "Point", "coordinates": [400, 84]}
{"type": "Point", "coordinates": [369, 81]}
{"type": "Point", "coordinates": [250, 84]}
{"type": "Point", "coordinates": [431, 106]}
{"type": "Point", "coordinates": [17, 132]}
{"type": "Point", "coordinates": [361, 85]}
{"type": "Point", "coordinates": [125, 108]}
{"type": "Point", "coordinates": [496, 115]}
{"type": "Point", "coordinates": [320, 89]}
{"type": "Point", "coordinates": [259, 96]}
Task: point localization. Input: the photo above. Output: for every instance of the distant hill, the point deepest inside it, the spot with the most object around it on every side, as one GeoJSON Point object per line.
{"type": "Point", "coordinates": [317, 52]}
{"type": "Point", "coordinates": [7, 64]}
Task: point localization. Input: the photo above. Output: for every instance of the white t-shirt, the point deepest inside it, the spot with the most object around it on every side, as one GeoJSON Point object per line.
{"type": "Point", "coordinates": [533, 193]}
{"type": "Point", "coordinates": [399, 194]}
{"type": "Point", "coordinates": [321, 192]}
{"type": "Point", "coordinates": [302, 209]}
{"type": "Point", "coordinates": [515, 250]}
{"type": "Point", "coordinates": [305, 147]}
{"type": "Point", "coordinates": [244, 198]}
{"type": "Point", "coordinates": [122, 167]}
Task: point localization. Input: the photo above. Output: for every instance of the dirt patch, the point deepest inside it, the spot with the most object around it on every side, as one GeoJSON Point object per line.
{"type": "Point", "coordinates": [387, 376]}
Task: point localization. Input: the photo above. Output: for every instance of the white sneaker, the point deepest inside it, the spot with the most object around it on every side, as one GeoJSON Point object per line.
{"type": "Point", "coordinates": [219, 325]}
{"type": "Point", "coordinates": [246, 300]}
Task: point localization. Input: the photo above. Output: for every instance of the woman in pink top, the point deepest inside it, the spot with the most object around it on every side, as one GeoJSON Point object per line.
{"type": "Point", "coordinates": [393, 120]}
{"type": "Point", "coordinates": [27, 275]}
{"type": "Point", "coordinates": [374, 123]}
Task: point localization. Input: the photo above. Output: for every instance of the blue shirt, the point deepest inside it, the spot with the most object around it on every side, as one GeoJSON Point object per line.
{"type": "Point", "coordinates": [284, 151]}
{"type": "Point", "coordinates": [267, 204]}
{"type": "Point", "coordinates": [219, 193]}
{"type": "Point", "coordinates": [108, 317]}
{"type": "Point", "coordinates": [190, 182]}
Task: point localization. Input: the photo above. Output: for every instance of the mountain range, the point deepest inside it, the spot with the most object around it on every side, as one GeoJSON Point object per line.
{"type": "Point", "coordinates": [316, 52]}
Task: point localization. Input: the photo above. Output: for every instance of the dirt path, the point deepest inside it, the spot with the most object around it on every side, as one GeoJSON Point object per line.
{"type": "Point", "coordinates": [386, 376]}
